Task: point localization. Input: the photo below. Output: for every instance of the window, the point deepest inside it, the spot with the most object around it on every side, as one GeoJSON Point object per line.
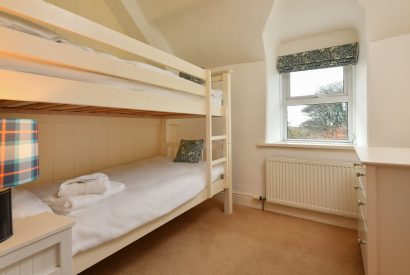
{"type": "Point", "coordinates": [318, 105]}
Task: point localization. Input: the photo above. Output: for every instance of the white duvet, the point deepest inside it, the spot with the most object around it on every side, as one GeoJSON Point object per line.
{"type": "Point", "coordinates": [154, 187]}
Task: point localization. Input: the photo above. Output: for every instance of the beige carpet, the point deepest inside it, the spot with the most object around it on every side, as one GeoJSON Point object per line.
{"type": "Point", "coordinates": [206, 241]}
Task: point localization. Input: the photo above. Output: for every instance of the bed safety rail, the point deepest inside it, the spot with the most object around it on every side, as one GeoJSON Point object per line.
{"type": "Point", "coordinates": [30, 47]}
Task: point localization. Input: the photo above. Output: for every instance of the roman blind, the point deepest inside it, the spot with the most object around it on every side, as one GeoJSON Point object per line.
{"type": "Point", "coordinates": [336, 56]}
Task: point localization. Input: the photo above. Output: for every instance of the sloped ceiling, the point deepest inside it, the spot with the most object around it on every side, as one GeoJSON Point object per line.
{"type": "Point", "coordinates": [131, 18]}
{"type": "Point", "coordinates": [99, 12]}
{"type": "Point", "coordinates": [155, 9]}
{"type": "Point", "coordinates": [295, 19]}
{"type": "Point", "coordinates": [211, 33]}
{"type": "Point", "coordinates": [386, 18]}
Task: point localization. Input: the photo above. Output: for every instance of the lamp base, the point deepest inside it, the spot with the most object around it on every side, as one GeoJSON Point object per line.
{"type": "Point", "coordinates": [6, 218]}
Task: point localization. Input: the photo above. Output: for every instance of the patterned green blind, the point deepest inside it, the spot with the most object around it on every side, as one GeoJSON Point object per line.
{"type": "Point", "coordinates": [342, 55]}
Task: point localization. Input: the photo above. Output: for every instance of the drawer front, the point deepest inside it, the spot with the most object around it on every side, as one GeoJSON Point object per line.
{"type": "Point", "coordinates": [361, 181]}
{"type": "Point", "coordinates": [361, 177]}
{"type": "Point", "coordinates": [362, 204]}
{"type": "Point", "coordinates": [44, 262]}
{"type": "Point", "coordinates": [361, 188]}
{"type": "Point", "coordinates": [362, 234]}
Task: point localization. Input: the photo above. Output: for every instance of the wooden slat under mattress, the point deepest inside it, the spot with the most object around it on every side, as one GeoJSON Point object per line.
{"type": "Point", "coordinates": [11, 106]}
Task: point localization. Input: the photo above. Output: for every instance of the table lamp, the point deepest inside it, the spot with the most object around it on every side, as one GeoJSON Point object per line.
{"type": "Point", "coordinates": [18, 164]}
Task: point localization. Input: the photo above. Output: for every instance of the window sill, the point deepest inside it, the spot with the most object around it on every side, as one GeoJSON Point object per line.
{"type": "Point", "coordinates": [306, 145]}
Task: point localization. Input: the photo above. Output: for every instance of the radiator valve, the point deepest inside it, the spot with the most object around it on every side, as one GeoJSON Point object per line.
{"type": "Point", "coordinates": [260, 198]}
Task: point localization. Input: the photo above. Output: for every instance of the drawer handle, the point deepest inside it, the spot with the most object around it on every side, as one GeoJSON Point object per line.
{"type": "Point", "coordinates": [361, 242]}
{"type": "Point", "coordinates": [357, 164]}
{"type": "Point", "coordinates": [359, 175]}
{"type": "Point", "coordinates": [360, 203]}
{"type": "Point", "coordinates": [357, 187]}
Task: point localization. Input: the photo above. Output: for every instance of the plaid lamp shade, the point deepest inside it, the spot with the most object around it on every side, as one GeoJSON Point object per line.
{"type": "Point", "coordinates": [18, 151]}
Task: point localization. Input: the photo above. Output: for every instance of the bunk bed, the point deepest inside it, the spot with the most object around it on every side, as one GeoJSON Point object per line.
{"type": "Point", "coordinates": [40, 75]}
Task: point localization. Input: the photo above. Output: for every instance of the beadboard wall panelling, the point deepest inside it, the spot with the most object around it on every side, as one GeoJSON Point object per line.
{"type": "Point", "coordinates": [74, 145]}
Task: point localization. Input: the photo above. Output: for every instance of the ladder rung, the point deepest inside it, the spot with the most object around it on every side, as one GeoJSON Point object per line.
{"type": "Point", "coordinates": [218, 161]}
{"type": "Point", "coordinates": [218, 137]}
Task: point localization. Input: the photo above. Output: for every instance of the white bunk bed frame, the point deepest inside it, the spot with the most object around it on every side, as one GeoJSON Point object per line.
{"type": "Point", "coordinates": [35, 93]}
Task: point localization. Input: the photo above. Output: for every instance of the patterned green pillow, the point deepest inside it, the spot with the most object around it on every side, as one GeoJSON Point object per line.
{"type": "Point", "coordinates": [190, 151]}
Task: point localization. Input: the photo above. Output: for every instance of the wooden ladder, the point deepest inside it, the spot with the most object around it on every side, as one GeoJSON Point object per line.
{"type": "Point", "coordinates": [225, 184]}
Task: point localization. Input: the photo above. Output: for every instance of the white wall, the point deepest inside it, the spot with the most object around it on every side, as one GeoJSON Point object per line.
{"type": "Point", "coordinates": [73, 145]}
{"type": "Point", "coordinates": [388, 37]}
{"type": "Point", "coordinates": [385, 19]}
{"type": "Point", "coordinates": [318, 41]}
{"type": "Point", "coordinates": [361, 94]}
{"type": "Point", "coordinates": [389, 92]}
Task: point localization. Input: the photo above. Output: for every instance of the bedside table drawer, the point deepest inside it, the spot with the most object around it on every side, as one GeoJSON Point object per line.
{"type": "Point", "coordinates": [38, 258]}
{"type": "Point", "coordinates": [41, 244]}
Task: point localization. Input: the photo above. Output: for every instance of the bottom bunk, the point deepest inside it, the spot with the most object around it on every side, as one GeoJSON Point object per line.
{"type": "Point", "coordinates": [86, 259]}
{"type": "Point", "coordinates": [156, 191]}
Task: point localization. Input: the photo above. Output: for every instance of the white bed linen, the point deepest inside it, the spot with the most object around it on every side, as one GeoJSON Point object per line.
{"type": "Point", "coordinates": [26, 204]}
{"type": "Point", "coordinates": [154, 187]}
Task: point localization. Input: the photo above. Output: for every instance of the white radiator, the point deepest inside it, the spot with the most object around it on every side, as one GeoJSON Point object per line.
{"type": "Point", "coordinates": [324, 186]}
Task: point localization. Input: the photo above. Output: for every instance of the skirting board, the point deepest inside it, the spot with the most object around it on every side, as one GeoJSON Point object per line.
{"type": "Point", "coordinates": [242, 199]}
{"type": "Point", "coordinates": [248, 200]}
{"type": "Point", "coordinates": [339, 221]}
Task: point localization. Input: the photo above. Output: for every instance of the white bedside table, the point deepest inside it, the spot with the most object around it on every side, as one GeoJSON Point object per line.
{"type": "Point", "coordinates": [41, 244]}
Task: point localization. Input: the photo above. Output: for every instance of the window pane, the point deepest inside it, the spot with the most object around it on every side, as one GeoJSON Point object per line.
{"type": "Point", "coordinates": [327, 121]}
{"type": "Point", "coordinates": [315, 82]}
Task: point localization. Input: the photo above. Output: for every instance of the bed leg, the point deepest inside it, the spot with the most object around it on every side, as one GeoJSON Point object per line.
{"type": "Point", "coordinates": [228, 201]}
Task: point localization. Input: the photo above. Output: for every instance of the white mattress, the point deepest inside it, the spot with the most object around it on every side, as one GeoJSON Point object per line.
{"type": "Point", "coordinates": [154, 187]}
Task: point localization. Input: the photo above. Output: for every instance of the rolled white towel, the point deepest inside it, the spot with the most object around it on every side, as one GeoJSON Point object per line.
{"type": "Point", "coordinates": [65, 205]}
{"type": "Point", "coordinates": [97, 183]}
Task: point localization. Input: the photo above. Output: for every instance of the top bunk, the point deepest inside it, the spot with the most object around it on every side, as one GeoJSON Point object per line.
{"type": "Point", "coordinates": [42, 72]}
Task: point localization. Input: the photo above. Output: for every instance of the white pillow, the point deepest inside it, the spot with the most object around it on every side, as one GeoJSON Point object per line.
{"type": "Point", "coordinates": [25, 204]}
{"type": "Point", "coordinates": [21, 25]}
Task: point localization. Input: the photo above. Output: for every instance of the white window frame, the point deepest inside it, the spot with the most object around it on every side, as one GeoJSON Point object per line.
{"type": "Point", "coordinates": [346, 96]}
